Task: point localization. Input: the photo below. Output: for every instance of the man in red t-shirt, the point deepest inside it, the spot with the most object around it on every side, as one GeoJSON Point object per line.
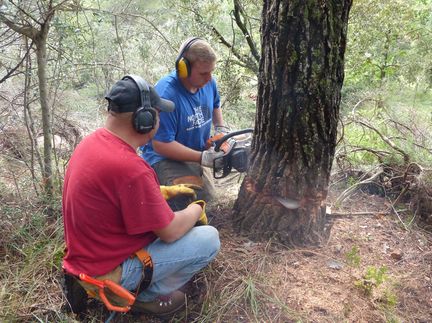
{"type": "Point", "coordinates": [113, 207]}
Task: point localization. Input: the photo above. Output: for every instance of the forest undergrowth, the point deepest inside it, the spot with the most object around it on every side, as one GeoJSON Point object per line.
{"type": "Point", "coordinates": [58, 60]}
{"type": "Point", "coordinates": [376, 265]}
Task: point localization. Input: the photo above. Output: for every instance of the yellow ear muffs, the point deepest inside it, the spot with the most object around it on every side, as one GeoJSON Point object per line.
{"type": "Point", "coordinates": [183, 68]}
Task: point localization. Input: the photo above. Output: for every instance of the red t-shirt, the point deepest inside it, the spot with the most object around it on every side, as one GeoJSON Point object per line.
{"type": "Point", "coordinates": [111, 205]}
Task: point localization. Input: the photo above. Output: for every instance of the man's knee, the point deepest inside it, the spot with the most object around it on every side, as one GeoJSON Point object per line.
{"type": "Point", "coordinates": [168, 171]}
{"type": "Point", "coordinates": [206, 238]}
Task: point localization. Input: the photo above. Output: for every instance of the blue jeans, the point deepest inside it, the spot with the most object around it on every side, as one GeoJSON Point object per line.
{"type": "Point", "coordinates": [174, 263]}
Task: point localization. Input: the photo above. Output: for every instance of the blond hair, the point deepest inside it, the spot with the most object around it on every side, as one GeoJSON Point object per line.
{"type": "Point", "coordinates": [199, 50]}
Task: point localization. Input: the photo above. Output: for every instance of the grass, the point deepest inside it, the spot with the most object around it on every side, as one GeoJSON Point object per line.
{"type": "Point", "coordinates": [31, 266]}
{"type": "Point", "coordinates": [353, 256]}
{"type": "Point", "coordinates": [30, 271]}
{"type": "Point", "coordinates": [239, 289]}
{"type": "Point", "coordinates": [241, 281]}
{"type": "Point", "coordinates": [244, 282]}
{"type": "Point", "coordinates": [372, 279]}
{"type": "Point", "coordinates": [377, 284]}
{"type": "Point", "coordinates": [402, 120]}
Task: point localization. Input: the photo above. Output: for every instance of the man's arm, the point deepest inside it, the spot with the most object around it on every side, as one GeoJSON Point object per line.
{"type": "Point", "coordinates": [176, 151]}
{"type": "Point", "coordinates": [183, 221]}
{"type": "Point", "coordinates": [217, 117]}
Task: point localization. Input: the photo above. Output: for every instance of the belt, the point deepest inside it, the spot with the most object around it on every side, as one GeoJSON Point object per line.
{"type": "Point", "coordinates": [147, 272]}
{"type": "Point", "coordinates": [96, 287]}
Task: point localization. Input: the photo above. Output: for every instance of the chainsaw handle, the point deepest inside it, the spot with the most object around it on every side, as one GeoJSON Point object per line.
{"type": "Point", "coordinates": [90, 280]}
{"type": "Point", "coordinates": [110, 306]}
{"type": "Point", "coordinates": [219, 142]}
{"type": "Point", "coordinates": [113, 287]}
{"type": "Point", "coordinates": [120, 291]}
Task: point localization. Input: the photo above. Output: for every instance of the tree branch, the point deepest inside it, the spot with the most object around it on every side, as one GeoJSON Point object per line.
{"type": "Point", "coordinates": [135, 16]}
{"type": "Point", "coordinates": [8, 74]}
{"type": "Point", "coordinates": [248, 62]}
{"type": "Point", "coordinates": [386, 140]}
{"type": "Point", "coordinates": [19, 8]}
{"type": "Point", "coordinates": [352, 188]}
{"type": "Point", "coordinates": [120, 44]}
{"type": "Point", "coordinates": [238, 10]}
{"type": "Point", "coordinates": [25, 30]}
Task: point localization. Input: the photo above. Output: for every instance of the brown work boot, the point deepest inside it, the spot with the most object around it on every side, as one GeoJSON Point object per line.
{"type": "Point", "coordinates": [162, 306]}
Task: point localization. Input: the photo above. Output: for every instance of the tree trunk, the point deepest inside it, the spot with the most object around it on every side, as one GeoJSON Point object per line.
{"type": "Point", "coordinates": [301, 75]}
{"type": "Point", "coordinates": [41, 54]}
{"type": "Point", "coordinates": [39, 36]}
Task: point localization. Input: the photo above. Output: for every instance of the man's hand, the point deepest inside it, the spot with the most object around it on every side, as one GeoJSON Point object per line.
{"type": "Point", "coordinates": [180, 189]}
{"type": "Point", "coordinates": [220, 129]}
{"type": "Point", "coordinates": [209, 155]}
{"type": "Point", "coordinates": [203, 217]}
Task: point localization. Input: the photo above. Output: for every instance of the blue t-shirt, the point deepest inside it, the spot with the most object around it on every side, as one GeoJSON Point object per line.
{"type": "Point", "coordinates": [190, 122]}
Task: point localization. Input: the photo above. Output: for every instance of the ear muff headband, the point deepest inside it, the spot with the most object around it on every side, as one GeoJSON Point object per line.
{"type": "Point", "coordinates": [142, 87]}
{"type": "Point", "coordinates": [144, 117]}
{"type": "Point", "coordinates": [183, 66]}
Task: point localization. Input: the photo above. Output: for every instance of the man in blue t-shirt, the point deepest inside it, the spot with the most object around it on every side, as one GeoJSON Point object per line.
{"type": "Point", "coordinates": [178, 151]}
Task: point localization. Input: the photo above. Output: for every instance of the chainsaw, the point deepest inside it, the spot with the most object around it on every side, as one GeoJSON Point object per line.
{"type": "Point", "coordinates": [236, 147]}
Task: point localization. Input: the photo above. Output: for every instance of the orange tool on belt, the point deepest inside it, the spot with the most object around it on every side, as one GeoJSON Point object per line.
{"type": "Point", "coordinates": [114, 288]}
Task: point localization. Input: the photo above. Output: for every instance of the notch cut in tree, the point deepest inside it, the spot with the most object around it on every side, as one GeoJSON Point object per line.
{"type": "Point", "coordinates": [299, 92]}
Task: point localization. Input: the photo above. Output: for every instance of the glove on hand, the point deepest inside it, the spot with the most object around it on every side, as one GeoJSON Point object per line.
{"type": "Point", "coordinates": [179, 189]}
{"type": "Point", "coordinates": [203, 217]}
{"type": "Point", "coordinates": [221, 130]}
{"type": "Point", "coordinates": [209, 155]}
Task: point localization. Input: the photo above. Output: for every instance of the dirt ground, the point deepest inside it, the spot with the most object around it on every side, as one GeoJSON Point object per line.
{"type": "Point", "coordinates": [330, 283]}
{"type": "Point", "coordinates": [375, 267]}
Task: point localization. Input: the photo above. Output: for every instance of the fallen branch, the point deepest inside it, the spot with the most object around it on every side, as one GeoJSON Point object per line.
{"type": "Point", "coordinates": [352, 188]}
{"type": "Point", "coordinates": [387, 140]}
{"type": "Point", "coordinates": [360, 102]}
{"type": "Point", "coordinates": [397, 214]}
{"type": "Point", "coordinates": [380, 154]}
{"type": "Point", "coordinates": [348, 214]}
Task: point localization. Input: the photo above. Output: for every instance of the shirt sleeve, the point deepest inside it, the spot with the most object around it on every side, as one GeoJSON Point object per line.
{"type": "Point", "coordinates": [167, 127]}
{"type": "Point", "coordinates": [216, 95]}
{"type": "Point", "coordinates": [142, 206]}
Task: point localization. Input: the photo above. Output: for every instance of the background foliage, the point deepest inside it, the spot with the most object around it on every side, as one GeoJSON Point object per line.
{"type": "Point", "coordinates": [386, 109]}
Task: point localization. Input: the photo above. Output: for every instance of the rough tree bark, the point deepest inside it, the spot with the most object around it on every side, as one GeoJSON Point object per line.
{"type": "Point", "coordinates": [300, 80]}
